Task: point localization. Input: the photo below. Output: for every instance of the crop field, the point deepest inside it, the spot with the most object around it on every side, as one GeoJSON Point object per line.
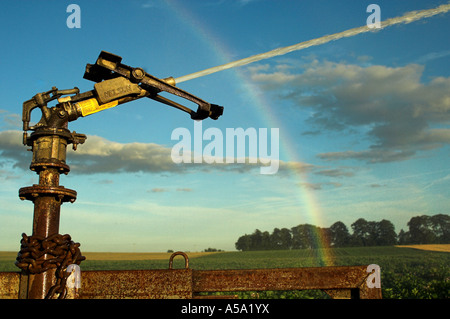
{"type": "Point", "coordinates": [406, 272]}
{"type": "Point", "coordinates": [442, 247]}
{"type": "Point", "coordinates": [137, 256]}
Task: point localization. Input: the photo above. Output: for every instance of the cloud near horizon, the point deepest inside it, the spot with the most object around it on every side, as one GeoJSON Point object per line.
{"type": "Point", "coordinates": [397, 113]}
{"type": "Point", "coordinates": [99, 155]}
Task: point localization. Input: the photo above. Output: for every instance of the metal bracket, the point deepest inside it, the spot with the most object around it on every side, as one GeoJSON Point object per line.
{"type": "Point", "coordinates": [41, 100]}
{"type": "Point", "coordinates": [108, 67]}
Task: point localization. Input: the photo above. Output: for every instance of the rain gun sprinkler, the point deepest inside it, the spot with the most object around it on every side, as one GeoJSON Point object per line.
{"type": "Point", "coordinates": [45, 255]}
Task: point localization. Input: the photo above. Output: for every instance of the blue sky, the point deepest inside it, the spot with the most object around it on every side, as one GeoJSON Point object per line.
{"type": "Point", "coordinates": [363, 121]}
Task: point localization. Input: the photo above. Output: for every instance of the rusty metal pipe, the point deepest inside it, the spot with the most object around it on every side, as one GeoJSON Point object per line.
{"type": "Point", "coordinates": [45, 223]}
{"type": "Point", "coordinates": [46, 219]}
{"type": "Point", "coordinates": [49, 154]}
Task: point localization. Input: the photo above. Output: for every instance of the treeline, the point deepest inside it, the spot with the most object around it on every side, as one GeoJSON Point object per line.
{"type": "Point", "coordinates": [422, 230]}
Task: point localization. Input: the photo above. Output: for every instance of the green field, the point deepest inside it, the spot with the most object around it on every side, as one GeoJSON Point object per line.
{"type": "Point", "coordinates": [406, 273]}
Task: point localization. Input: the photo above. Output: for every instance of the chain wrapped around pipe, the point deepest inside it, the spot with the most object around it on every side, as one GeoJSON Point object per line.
{"type": "Point", "coordinates": [39, 254]}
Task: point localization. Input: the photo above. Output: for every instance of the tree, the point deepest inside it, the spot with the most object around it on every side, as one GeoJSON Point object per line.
{"type": "Point", "coordinates": [243, 243]}
{"type": "Point", "coordinates": [339, 235]}
{"type": "Point", "coordinates": [440, 225]}
{"type": "Point", "coordinates": [212, 250]}
{"type": "Point", "coordinates": [266, 241]}
{"type": "Point", "coordinates": [420, 230]}
{"type": "Point", "coordinates": [403, 237]}
{"type": "Point", "coordinates": [296, 242]}
{"type": "Point", "coordinates": [305, 236]}
{"type": "Point", "coordinates": [385, 233]}
{"type": "Point", "coordinates": [275, 239]}
{"type": "Point", "coordinates": [281, 239]}
{"type": "Point", "coordinates": [324, 236]}
{"type": "Point", "coordinates": [256, 240]}
{"type": "Point", "coordinates": [361, 233]}
{"type": "Point", "coordinates": [428, 230]}
{"type": "Point", "coordinates": [286, 238]}
{"type": "Point", "coordinates": [370, 233]}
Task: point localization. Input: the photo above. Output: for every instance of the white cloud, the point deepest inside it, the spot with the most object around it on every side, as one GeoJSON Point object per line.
{"type": "Point", "coordinates": [12, 149]}
{"type": "Point", "coordinates": [10, 120]}
{"type": "Point", "coordinates": [335, 172]}
{"type": "Point", "coordinates": [158, 190]}
{"type": "Point", "coordinates": [149, 4]}
{"type": "Point", "coordinates": [246, 2]}
{"type": "Point", "coordinates": [432, 56]}
{"type": "Point", "coordinates": [400, 114]}
{"type": "Point", "coordinates": [319, 186]}
{"type": "Point", "coordinates": [99, 155]}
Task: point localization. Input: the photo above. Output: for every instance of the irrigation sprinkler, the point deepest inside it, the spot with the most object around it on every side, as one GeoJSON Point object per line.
{"type": "Point", "coordinates": [45, 254]}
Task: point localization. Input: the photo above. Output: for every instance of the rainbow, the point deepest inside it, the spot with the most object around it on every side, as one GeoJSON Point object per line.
{"type": "Point", "coordinates": [306, 197]}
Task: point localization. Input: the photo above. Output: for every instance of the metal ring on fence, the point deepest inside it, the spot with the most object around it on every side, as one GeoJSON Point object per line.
{"type": "Point", "coordinates": [186, 259]}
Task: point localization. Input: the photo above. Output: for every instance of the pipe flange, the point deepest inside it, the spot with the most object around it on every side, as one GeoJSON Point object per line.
{"type": "Point", "coordinates": [60, 192]}
{"type": "Point", "coordinates": [42, 165]}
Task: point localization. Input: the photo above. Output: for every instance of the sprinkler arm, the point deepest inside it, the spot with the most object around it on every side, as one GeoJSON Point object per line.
{"type": "Point", "coordinates": [116, 84]}
{"type": "Point", "coordinates": [115, 80]}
